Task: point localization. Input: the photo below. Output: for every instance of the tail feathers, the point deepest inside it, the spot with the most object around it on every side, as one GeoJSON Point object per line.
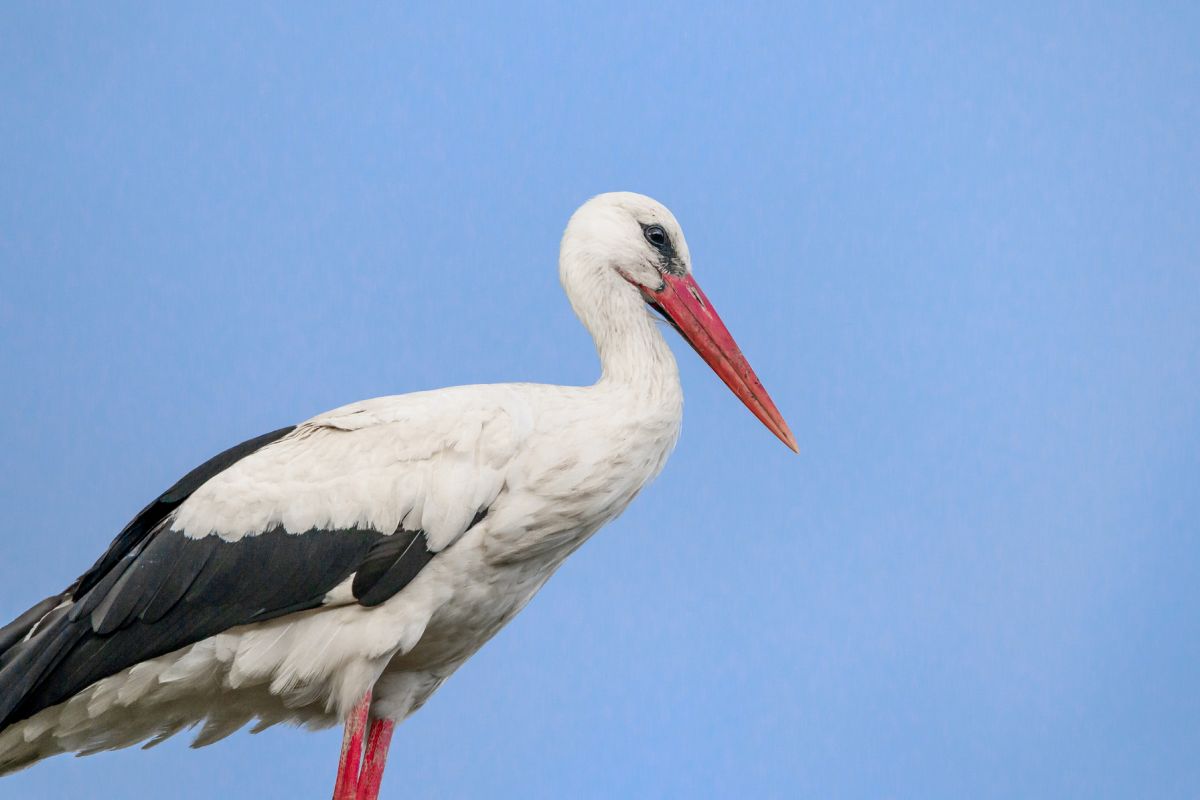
{"type": "Point", "coordinates": [19, 754]}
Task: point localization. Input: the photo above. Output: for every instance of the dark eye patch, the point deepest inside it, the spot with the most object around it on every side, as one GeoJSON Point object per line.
{"type": "Point", "coordinates": [668, 259]}
{"type": "Point", "coordinates": [657, 237]}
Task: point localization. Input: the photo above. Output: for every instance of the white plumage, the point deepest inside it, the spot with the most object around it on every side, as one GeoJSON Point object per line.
{"type": "Point", "coordinates": [503, 480]}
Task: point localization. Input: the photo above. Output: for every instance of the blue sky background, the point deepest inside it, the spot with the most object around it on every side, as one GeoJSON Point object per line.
{"type": "Point", "coordinates": [960, 246]}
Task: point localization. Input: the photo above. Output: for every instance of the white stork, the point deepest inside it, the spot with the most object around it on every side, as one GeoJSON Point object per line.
{"type": "Point", "coordinates": [341, 569]}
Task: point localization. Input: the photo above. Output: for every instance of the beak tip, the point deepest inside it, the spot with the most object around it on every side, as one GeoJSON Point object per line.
{"type": "Point", "coordinates": [781, 430]}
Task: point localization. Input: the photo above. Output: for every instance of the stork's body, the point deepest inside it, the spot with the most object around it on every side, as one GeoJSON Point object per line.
{"type": "Point", "coordinates": [367, 552]}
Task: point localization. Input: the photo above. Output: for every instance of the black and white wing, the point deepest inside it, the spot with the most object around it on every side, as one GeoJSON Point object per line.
{"type": "Point", "coordinates": [365, 496]}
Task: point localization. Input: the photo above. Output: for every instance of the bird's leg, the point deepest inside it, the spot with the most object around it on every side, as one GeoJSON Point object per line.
{"type": "Point", "coordinates": [351, 759]}
{"type": "Point", "coordinates": [375, 760]}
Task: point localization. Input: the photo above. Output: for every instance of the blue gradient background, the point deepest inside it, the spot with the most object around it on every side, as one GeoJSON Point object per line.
{"type": "Point", "coordinates": [961, 246]}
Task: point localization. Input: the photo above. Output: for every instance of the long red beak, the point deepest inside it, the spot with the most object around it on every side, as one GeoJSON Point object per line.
{"type": "Point", "coordinates": [684, 305]}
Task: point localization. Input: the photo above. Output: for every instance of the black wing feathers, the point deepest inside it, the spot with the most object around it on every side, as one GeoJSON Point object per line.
{"type": "Point", "coordinates": [254, 579]}
{"type": "Point", "coordinates": [156, 590]}
{"type": "Point", "coordinates": [393, 562]}
{"type": "Point", "coordinates": [16, 630]}
{"type": "Point", "coordinates": [140, 526]}
{"type": "Point", "coordinates": [390, 565]}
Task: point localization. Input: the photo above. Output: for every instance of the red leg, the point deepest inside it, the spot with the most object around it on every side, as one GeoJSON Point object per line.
{"type": "Point", "coordinates": [376, 758]}
{"type": "Point", "coordinates": [351, 759]}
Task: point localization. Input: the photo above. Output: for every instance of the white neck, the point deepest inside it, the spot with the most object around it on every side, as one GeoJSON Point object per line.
{"type": "Point", "coordinates": [634, 357]}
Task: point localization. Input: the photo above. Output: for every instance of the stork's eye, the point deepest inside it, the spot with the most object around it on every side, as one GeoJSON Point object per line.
{"type": "Point", "coordinates": [656, 236]}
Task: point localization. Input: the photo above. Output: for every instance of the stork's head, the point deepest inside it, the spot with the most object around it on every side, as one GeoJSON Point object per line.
{"type": "Point", "coordinates": [622, 248]}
